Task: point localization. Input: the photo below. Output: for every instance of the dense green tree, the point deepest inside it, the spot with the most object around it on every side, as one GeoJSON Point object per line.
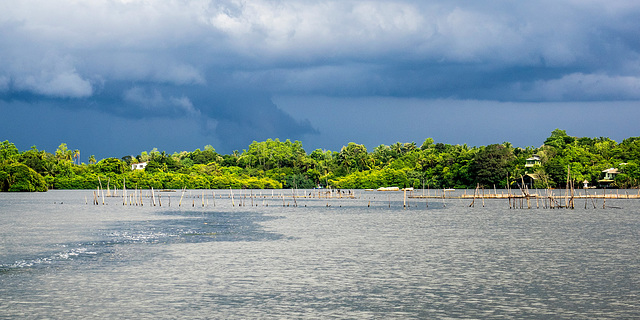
{"type": "Point", "coordinates": [428, 143]}
{"type": "Point", "coordinates": [353, 157]}
{"type": "Point", "coordinates": [8, 151]}
{"type": "Point", "coordinates": [491, 165]}
{"type": "Point", "coordinates": [40, 161]}
{"type": "Point", "coordinates": [556, 170]}
{"type": "Point", "coordinates": [381, 156]}
{"type": "Point", "coordinates": [559, 139]}
{"type": "Point", "coordinates": [63, 153]}
{"type": "Point", "coordinates": [203, 157]}
{"type": "Point", "coordinates": [19, 177]}
{"type": "Point", "coordinates": [111, 165]}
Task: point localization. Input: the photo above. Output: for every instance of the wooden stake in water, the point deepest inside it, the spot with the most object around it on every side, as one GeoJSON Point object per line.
{"type": "Point", "coordinates": [404, 199]}
{"type": "Point", "coordinates": [444, 193]}
{"type": "Point", "coordinates": [182, 196]}
{"type": "Point", "coordinates": [295, 202]}
{"type": "Point", "coordinates": [99, 189]}
{"type": "Point", "coordinates": [475, 191]}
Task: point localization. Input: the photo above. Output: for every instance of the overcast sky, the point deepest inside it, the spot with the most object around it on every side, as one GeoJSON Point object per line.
{"type": "Point", "coordinates": [117, 77]}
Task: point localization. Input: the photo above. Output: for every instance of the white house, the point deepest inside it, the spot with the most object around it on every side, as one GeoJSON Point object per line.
{"type": "Point", "coordinates": [533, 161]}
{"type": "Point", "coordinates": [609, 176]}
{"type": "Point", "coordinates": [138, 166]}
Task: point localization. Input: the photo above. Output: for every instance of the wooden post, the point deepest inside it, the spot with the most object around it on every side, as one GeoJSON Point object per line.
{"type": "Point", "coordinates": [295, 202]}
{"type": "Point", "coordinates": [475, 191]}
{"type": "Point", "coordinates": [181, 196]}
{"type": "Point", "coordinates": [444, 194]}
{"type": "Point", "coordinates": [404, 199]}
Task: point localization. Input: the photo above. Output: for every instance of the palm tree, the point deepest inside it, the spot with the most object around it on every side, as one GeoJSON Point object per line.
{"type": "Point", "coordinates": [62, 152]}
{"type": "Point", "coordinates": [92, 159]}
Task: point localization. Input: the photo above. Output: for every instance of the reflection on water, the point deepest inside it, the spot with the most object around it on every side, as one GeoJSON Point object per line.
{"type": "Point", "coordinates": [345, 258]}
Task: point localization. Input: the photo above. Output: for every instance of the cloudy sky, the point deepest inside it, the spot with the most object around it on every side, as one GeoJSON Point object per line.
{"type": "Point", "coordinates": [117, 77]}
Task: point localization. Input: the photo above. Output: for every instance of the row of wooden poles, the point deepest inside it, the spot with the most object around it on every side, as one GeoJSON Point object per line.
{"type": "Point", "coordinates": [135, 198]}
{"type": "Point", "coordinates": [550, 200]}
{"type": "Point", "coordinates": [523, 200]}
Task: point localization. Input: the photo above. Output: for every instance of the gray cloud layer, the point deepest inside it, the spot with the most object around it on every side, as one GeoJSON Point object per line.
{"type": "Point", "coordinates": [223, 61]}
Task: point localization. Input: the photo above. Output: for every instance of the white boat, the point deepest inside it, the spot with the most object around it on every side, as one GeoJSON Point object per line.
{"type": "Point", "coordinates": [388, 189]}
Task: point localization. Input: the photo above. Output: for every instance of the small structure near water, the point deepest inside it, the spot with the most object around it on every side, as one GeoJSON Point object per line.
{"type": "Point", "coordinates": [138, 166]}
{"type": "Point", "coordinates": [609, 176]}
{"type": "Point", "coordinates": [532, 162]}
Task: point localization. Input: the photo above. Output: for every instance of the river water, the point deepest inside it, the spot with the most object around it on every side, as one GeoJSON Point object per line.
{"type": "Point", "coordinates": [363, 258]}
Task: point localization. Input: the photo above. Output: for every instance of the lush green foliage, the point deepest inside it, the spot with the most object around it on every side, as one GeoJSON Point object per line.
{"type": "Point", "coordinates": [285, 164]}
{"type": "Point", "coordinates": [19, 177]}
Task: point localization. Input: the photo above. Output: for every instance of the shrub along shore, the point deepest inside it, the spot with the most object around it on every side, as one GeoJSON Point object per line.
{"type": "Point", "coordinates": [275, 164]}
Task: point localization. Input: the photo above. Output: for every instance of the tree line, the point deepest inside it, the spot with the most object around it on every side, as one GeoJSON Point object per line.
{"type": "Point", "coordinates": [274, 164]}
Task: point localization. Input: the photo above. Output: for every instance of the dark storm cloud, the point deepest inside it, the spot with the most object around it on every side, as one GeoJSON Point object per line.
{"type": "Point", "coordinates": [348, 47]}
{"type": "Point", "coordinates": [219, 64]}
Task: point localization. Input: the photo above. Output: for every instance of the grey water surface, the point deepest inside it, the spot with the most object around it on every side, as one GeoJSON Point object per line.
{"type": "Point", "coordinates": [363, 258]}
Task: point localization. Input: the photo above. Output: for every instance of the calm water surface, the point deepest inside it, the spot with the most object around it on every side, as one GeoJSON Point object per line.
{"type": "Point", "coordinates": [363, 258]}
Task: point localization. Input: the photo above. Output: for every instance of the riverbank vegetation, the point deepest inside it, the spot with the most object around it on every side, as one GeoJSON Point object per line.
{"type": "Point", "coordinates": [274, 164]}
